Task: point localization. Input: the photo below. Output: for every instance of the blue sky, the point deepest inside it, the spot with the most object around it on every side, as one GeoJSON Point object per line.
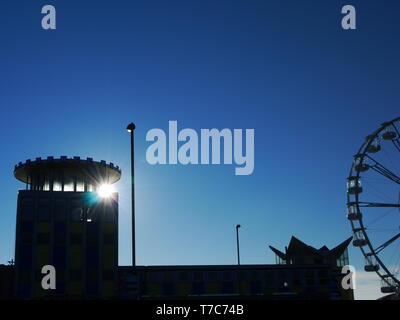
{"type": "Point", "coordinates": [311, 91]}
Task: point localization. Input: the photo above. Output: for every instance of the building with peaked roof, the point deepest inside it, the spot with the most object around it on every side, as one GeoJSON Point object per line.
{"type": "Point", "coordinates": [300, 253]}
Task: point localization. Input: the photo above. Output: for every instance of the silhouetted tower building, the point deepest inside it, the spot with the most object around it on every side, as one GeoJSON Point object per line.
{"type": "Point", "coordinates": [67, 218]}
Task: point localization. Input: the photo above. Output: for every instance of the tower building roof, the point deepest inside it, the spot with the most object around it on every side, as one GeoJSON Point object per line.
{"type": "Point", "coordinates": [50, 171]}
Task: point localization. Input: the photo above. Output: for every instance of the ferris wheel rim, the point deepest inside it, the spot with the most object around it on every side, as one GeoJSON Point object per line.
{"type": "Point", "coordinates": [355, 173]}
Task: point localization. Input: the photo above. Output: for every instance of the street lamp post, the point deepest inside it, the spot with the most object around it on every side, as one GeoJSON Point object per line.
{"type": "Point", "coordinates": [237, 243]}
{"type": "Point", "coordinates": [131, 128]}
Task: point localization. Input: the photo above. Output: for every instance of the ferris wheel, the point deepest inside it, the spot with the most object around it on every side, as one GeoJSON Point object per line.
{"type": "Point", "coordinates": [373, 203]}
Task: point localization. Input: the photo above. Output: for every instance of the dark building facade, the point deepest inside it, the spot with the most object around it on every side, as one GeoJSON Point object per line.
{"type": "Point", "coordinates": [7, 273]}
{"type": "Point", "coordinates": [63, 222]}
{"type": "Point", "coordinates": [230, 281]}
{"type": "Point", "coordinates": [303, 272]}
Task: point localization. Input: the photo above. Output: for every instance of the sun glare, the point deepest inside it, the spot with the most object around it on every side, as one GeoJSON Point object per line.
{"type": "Point", "coordinates": [105, 190]}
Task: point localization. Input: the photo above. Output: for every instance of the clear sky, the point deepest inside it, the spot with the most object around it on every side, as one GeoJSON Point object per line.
{"type": "Point", "coordinates": [286, 68]}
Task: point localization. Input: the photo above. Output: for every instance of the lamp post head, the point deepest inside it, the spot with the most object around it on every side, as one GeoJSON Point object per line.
{"type": "Point", "coordinates": [238, 226]}
{"type": "Point", "coordinates": [130, 127]}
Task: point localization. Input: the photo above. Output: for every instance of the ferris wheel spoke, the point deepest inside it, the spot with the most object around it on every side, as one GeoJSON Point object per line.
{"type": "Point", "coordinates": [380, 217]}
{"type": "Point", "coordinates": [380, 230]}
{"type": "Point", "coordinates": [396, 143]}
{"type": "Point", "coordinates": [381, 169]}
{"type": "Point", "coordinates": [387, 243]}
{"type": "Point", "coordinates": [396, 264]}
{"type": "Point", "coordinates": [395, 128]}
{"type": "Point", "coordinates": [378, 205]}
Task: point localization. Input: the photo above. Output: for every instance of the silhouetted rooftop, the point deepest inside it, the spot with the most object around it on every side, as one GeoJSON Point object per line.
{"type": "Point", "coordinates": [65, 170]}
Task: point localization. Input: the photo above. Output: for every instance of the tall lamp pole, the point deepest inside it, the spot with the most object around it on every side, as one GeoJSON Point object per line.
{"type": "Point", "coordinates": [237, 243]}
{"type": "Point", "coordinates": [131, 128]}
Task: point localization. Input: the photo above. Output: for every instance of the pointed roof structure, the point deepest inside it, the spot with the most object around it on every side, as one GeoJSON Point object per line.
{"type": "Point", "coordinates": [299, 252]}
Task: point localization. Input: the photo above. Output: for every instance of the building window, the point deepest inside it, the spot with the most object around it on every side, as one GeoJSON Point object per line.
{"type": "Point", "coordinates": [45, 202]}
{"type": "Point", "coordinates": [108, 275]}
{"type": "Point", "coordinates": [60, 288]}
{"type": "Point", "coordinates": [168, 288]}
{"type": "Point", "coordinates": [322, 273]}
{"type": "Point", "coordinates": [76, 214]}
{"type": "Point", "coordinates": [68, 184]}
{"type": "Point", "coordinates": [227, 287]}
{"type": "Point", "coordinates": [109, 239]}
{"type": "Point", "coordinates": [227, 276]}
{"type": "Point", "coordinates": [59, 257]}
{"type": "Point", "coordinates": [80, 185]}
{"type": "Point", "coordinates": [91, 275]}
{"type": "Point", "coordinates": [27, 202]}
{"type": "Point", "coordinates": [109, 215]}
{"type": "Point", "coordinates": [92, 238]}
{"type": "Point", "coordinates": [343, 259]}
{"type": "Point", "coordinates": [256, 287]}
{"type": "Point", "coordinates": [297, 282]}
{"type": "Point", "coordinates": [92, 256]}
{"type": "Point", "coordinates": [168, 276]}
{"type": "Point", "coordinates": [183, 276]}
{"type": "Point", "coordinates": [92, 288]}
{"type": "Point", "coordinates": [60, 213]}
{"type": "Point", "coordinates": [154, 276]}
{"type": "Point", "coordinates": [198, 288]}
{"type": "Point", "coordinates": [212, 276]}
{"type": "Point", "coordinates": [59, 238]}
{"type": "Point", "coordinates": [268, 275]}
{"type": "Point", "coordinates": [280, 260]}
{"type": "Point", "coordinates": [57, 186]}
{"type": "Point", "coordinates": [282, 274]}
{"type": "Point", "coordinates": [297, 278]}
{"type": "Point", "coordinates": [309, 273]}
{"type": "Point", "coordinates": [25, 256]}
{"type": "Point", "coordinates": [198, 276]}
{"type": "Point", "coordinates": [43, 238]}
{"type": "Point", "coordinates": [43, 213]}
{"type": "Point", "coordinates": [75, 275]}
{"type": "Point", "coordinates": [27, 237]}
{"type": "Point", "coordinates": [27, 213]}
{"type": "Point", "coordinates": [24, 275]}
{"type": "Point", "coordinates": [60, 227]}
{"type": "Point", "coordinates": [242, 275]}
{"type": "Point", "coordinates": [76, 238]}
